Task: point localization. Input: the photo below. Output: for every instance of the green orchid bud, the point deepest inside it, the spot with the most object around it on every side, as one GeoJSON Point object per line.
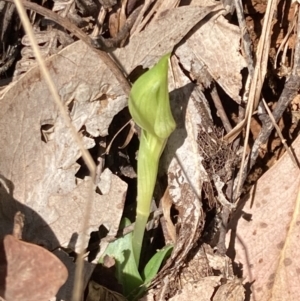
{"type": "Point", "coordinates": [149, 103]}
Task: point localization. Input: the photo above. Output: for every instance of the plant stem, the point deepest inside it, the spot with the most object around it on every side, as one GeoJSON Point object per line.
{"type": "Point", "coordinates": [150, 150]}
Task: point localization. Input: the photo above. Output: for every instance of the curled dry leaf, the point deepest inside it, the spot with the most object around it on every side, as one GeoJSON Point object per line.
{"type": "Point", "coordinates": [39, 173]}
{"type": "Point", "coordinates": [185, 176]}
{"type": "Point", "coordinates": [264, 237]}
{"type": "Point", "coordinates": [29, 272]}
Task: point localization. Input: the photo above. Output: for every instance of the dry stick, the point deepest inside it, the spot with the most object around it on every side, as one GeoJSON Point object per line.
{"type": "Point", "coordinates": [245, 36]}
{"type": "Point", "coordinates": [290, 90]}
{"type": "Point", "coordinates": [220, 109]}
{"type": "Point", "coordinates": [65, 23]}
{"type": "Point", "coordinates": [283, 141]}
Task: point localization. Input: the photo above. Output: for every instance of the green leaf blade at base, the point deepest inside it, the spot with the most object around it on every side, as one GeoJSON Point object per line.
{"type": "Point", "coordinates": [126, 270]}
{"type": "Point", "coordinates": [154, 264]}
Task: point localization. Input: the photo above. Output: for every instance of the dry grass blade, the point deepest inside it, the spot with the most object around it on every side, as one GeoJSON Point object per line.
{"type": "Point", "coordinates": [85, 154]}
{"type": "Point", "coordinates": [129, 136]}
{"type": "Point", "coordinates": [260, 70]}
{"type": "Point", "coordinates": [289, 92]}
{"type": "Point", "coordinates": [284, 43]}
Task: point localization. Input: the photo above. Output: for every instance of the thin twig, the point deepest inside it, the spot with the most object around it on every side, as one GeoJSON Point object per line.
{"type": "Point", "coordinates": [284, 42]}
{"type": "Point", "coordinates": [220, 109]}
{"type": "Point", "coordinates": [245, 36]}
{"type": "Point", "coordinates": [283, 141]}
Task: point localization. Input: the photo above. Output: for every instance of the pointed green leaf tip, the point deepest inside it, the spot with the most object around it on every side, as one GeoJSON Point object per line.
{"type": "Point", "coordinates": [149, 103]}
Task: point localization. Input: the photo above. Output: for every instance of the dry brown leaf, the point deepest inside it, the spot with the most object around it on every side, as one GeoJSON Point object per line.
{"type": "Point", "coordinates": [265, 233]}
{"type": "Point", "coordinates": [39, 171]}
{"type": "Point", "coordinates": [161, 36]}
{"type": "Point", "coordinates": [29, 272]}
{"type": "Point", "coordinates": [104, 208]}
{"type": "Point", "coordinates": [38, 176]}
{"type": "Point", "coordinates": [215, 47]}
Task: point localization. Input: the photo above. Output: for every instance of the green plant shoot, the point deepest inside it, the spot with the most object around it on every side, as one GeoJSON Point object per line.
{"type": "Point", "coordinates": [149, 106]}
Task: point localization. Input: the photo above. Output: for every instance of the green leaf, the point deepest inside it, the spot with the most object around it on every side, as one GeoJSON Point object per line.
{"type": "Point", "coordinates": [150, 271]}
{"type": "Point", "coordinates": [154, 263]}
{"type": "Point", "coordinates": [126, 270]}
